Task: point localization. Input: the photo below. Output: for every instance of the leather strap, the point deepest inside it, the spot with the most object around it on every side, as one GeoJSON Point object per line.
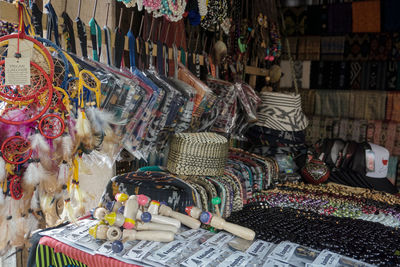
{"type": "Point", "coordinates": [160, 62]}
{"type": "Point", "coordinates": [119, 47]}
{"type": "Point", "coordinates": [68, 31]}
{"type": "Point", "coordinates": [107, 36]}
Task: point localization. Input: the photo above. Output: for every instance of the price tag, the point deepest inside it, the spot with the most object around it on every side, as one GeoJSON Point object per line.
{"type": "Point", "coordinates": [17, 71]}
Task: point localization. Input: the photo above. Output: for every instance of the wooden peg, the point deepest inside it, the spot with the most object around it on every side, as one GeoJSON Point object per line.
{"type": "Point", "coordinates": [160, 219]}
{"type": "Point", "coordinates": [184, 219]}
{"type": "Point", "coordinates": [99, 213]}
{"type": "Point", "coordinates": [114, 233]}
{"type": "Point", "coordinates": [221, 224]}
{"type": "Point", "coordinates": [131, 208]}
{"type": "Point", "coordinates": [158, 236]}
{"type": "Point", "coordinates": [140, 226]}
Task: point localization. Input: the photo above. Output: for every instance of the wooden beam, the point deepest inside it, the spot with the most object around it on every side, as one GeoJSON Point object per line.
{"type": "Point", "coordinates": [8, 12]}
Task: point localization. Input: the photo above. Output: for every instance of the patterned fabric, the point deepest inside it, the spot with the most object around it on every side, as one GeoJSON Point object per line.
{"type": "Point", "coordinates": [294, 20]}
{"type": "Point", "coordinates": [326, 127]}
{"type": "Point", "coordinates": [309, 48]}
{"type": "Point", "coordinates": [332, 47]}
{"type": "Point", "coordinates": [380, 46]}
{"type": "Point", "coordinates": [156, 185]}
{"type": "Point", "coordinates": [393, 107]}
{"type": "Point", "coordinates": [391, 75]}
{"type": "Point", "coordinates": [340, 18]}
{"type": "Point", "coordinates": [46, 257]}
{"type": "Point", "coordinates": [373, 75]}
{"type": "Point", "coordinates": [302, 70]}
{"type": "Point", "coordinates": [281, 112]}
{"type": "Point", "coordinates": [308, 101]}
{"type": "Point", "coordinates": [366, 16]}
{"type": "Point", "coordinates": [357, 47]}
{"type": "Point", "coordinates": [355, 75]}
{"type": "Point", "coordinates": [350, 104]}
{"type": "Point", "coordinates": [395, 53]}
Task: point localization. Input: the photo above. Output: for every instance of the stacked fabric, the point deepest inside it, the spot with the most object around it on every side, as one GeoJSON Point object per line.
{"type": "Point", "coordinates": [319, 217]}
{"type": "Point", "coordinates": [243, 176]}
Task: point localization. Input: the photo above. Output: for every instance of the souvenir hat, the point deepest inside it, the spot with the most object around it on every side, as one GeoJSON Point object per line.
{"type": "Point", "coordinates": [281, 111]}
{"type": "Point", "coordinates": [198, 154]}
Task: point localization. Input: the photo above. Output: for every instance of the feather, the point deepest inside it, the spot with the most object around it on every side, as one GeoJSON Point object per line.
{"type": "Point", "coordinates": [68, 212]}
{"type": "Point", "coordinates": [67, 146]}
{"type": "Point", "coordinates": [32, 224]}
{"type": "Point", "coordinates": [101, 119]}
{"type": "Point", "coordinates": [3, 172]}
{"type": "Point", "coordinates": [63, 173]}
{"type": "Point", "coordinates": [39, 143]}
{"type": "Point", "coordinates": [35, 201]}
{"type": "Point", "coordinates": [1, 198]}
{"type": "Point", "coordinates": [31, 175]}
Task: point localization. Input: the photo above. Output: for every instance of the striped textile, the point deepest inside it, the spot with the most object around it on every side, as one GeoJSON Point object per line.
{"type": "Point", "coordinates": [53, 253]}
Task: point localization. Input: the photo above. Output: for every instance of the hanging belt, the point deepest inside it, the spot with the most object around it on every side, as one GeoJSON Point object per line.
{"type": "Point", "coordinates": [82, 36]}
{"type": "Point", "coordinates": [160, 62]}
{"type": "Point", "coordinates": [95, 33]}
{"type": "Point", "coordinates": [107, 36]}
{"type": "Point", "coordinates": [37, 19]}
{"type": "Point", "coordinates": [52, 24]}
{"type": "Point", "coordinates": [68, 32]}
{"type": "Point", "coordinates": [119, 47]}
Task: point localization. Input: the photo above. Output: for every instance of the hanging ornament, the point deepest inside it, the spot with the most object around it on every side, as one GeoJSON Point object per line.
{"type": "Point", "coordinates": [16, 150]}
{"type": "Point", "coordinates": [51, 126]}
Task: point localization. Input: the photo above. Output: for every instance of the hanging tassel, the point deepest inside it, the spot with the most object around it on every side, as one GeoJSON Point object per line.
{"type": "Point", "coordinates": [3, 171]}
{"type": "Point", "coordinates": [39, 143]}
{"type": "Point", "coordinates": [10, 168]}
{"type": "Point", "coordinates": [63, 173]}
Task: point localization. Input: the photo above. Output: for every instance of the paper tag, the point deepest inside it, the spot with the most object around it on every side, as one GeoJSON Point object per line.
{"type": "Point", "coordinates": [259, 248]}
{"type": "Point", "coordinates": [236, 259]}
{"type": "Point", "coordinates": [370, 160]}
{"type": "Point", "coordinates": [191, 234]}
{"type": "Point", "coordinates": [25, 48]}
{"type": "Point", "coordinates": [272, 262]}
{"type": "Point", "coordinates": [203, 257]}
{"type": "Point", "coordinates": [218, 240]}
{"type": "Point", "coordinates": [17, 71]}
{"type": "Point", "coordinates": [140, 250]}
{"type": "Point", "coordinates": [326, 259]}
{"type": "Point", "coordinates": [167, 252]}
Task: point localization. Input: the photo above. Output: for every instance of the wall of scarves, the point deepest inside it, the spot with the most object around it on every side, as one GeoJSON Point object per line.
{"type": "Point", "coordinates": [346, 60]}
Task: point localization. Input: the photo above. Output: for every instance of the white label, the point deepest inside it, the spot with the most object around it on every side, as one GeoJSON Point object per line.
{"type": "Point", "coordinates": [259, 248]}
{"type": "Point", "coordinates": [274, 263]}
{"type": "Point", "coordinates": [283, 251]}
{"type": "Point", "coordinates": [218, 240]}
{"type": "Point", "coordinates": [236, 259]}
{"type": "Point", "coordinates": [168, 251]}
{"type": "Point", "coordinates": [330, 259]}
{"type": "Point", "coordinates": [18, 71]}
{"type": "Point", "coordinates": [140, 250]}
{"type": "Point", "coordinates": [203, 257]}
{"type": "Point", "coordinates": [25, 48]}
{"type": "Point", "coordinates": [191, 234]}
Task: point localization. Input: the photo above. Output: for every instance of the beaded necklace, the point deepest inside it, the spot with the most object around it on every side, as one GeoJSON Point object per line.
{"type": "Point", "coordinates": [217, 12]}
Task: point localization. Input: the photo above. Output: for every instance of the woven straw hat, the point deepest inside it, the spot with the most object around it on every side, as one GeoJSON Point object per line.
{"type": "Point", "coordinates": [202, 154]}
